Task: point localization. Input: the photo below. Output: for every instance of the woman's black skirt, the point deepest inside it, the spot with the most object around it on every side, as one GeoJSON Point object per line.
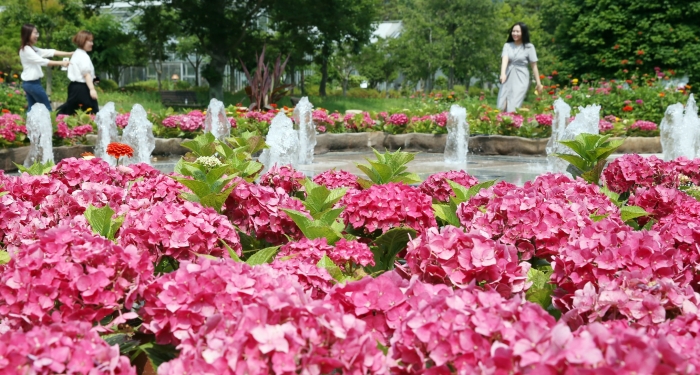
{"type": "Point", "coordinates": [78, 99]}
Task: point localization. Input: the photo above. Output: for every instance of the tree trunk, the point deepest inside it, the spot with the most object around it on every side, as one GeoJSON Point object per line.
{"type": "Point", "coordinates": [49, 80]}
{"type": "Point", "coordinates": [216, 84]}
{"type": "Point", "coordinates": [292, 78]}
{"type": "Point", "coordinates": [158, 68]}
{"type": "Point", "coordinates": [345, 86]}
{"type": "Point", "coordinates": [302, 82]}
{"type": "Point", "coordinates": [196, 72]}
{"type": "Point", "coordinates": [324, 77]}
{"type": "Point", "coordinates": [451, 79]}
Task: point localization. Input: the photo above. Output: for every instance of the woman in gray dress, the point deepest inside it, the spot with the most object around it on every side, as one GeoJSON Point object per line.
{"type": "Point", "coordinates": [515, 77]}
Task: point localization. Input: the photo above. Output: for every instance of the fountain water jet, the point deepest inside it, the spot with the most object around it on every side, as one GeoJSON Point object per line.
{"type": "Point", "coordinates": [562, 112]}
{"type": "Point", "coordinates": [457, 143]}
{"type": "Point", "coordinates": [106, 120]}
{"type": "Point", "coordinates": [40, 134]}
{"type": "Point", "coordinates": [139, 135]}
{"type": "Point", "coordinates": [303, 117]}
{"type": "Point", "coordinates": [586, 121]}
{"type": "Point", "coordinates": [216, 122]}
{"type": "Point", "coordinates": [283, 143]}
{"type": "Point", "coordinates": [680, 131]}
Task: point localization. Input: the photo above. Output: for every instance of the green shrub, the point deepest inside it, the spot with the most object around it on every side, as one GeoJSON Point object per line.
{"type": "Point", "coordinates": [476, 91]}
{"type": "Point", "coordinates": [12, 98]}
{"type": "Point", "coordinates": [355, 81]}
{"type": "Point", "coordinates": [182, 85]}
{"type": "Point", "coordinates": [311, 89]}
{"type": "Point", "coordinates": [459, 89]}
{"type": "Point", "coordinates": [109, 85]}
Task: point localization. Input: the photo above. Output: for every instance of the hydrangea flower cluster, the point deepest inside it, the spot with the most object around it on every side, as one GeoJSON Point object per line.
{"type": "Point", "coordinates": [179, 231]}
{"type": "Point", "coordinates": [469, 331]}
{"type": "Point", "coordinates": [631, 170]}
{"type": "Point", "coordinates": [70, 274]}
{"type": "Point", "coordinates": [10, 126]}
{"type": "Point", "coordinates": [259, 116]}
{"type": "Point", "coordinates": [398, 119]}
{"type": "Point", "coordinates": [544, 119]}
{"type": "Point", "coordinates": [256, 210]}
{"type": "Point", "coordinates": [186, 122]}
{"type": "Point", "coordinates": [260, 322]}
{"type": "Point", "coordinates": [333, 179]}
{"type": "Point", "coordinates": [123, 119]}
{"type": "Point", "coordinates": [320, 117]}
{"type": "Point", "coordinates": [65, 132]}
{"type": "Point", "coordinates": [61, 348]}
{"type": "Point", "coordinates": [644, 126]}
{"type": "Point", "coordinates": [439, 119]}
{"type": "Point", "coordinates": [451, 257]}
{"type": "Point", "coordinates": [73, 172]}
{"type": "Point", "coordinates": [436, 185]}
{"type": "Point", "coordinates": [537, 218]}
{"type": "Point", "coordinates": [514, 119]}
{"type": "Point", "coordinates": [387, 206]}
{"type": "Point", "coordinates": [344, 252]}
{"type": "Point", "coordinates": [284, 177]}
{"type": "Point", "coordinates": [604, 125]}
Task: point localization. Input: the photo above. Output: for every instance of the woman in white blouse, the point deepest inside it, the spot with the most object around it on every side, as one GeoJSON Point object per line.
{"type": "Point", "coordinates": [81, 73]}
{"type": "Point", "coordinates": [32, 59]}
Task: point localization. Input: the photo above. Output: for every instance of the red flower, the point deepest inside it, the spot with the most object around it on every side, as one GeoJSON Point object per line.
{"type": "Point", "coordinates": [627, 108]}
{"type": "Point", "coordinates": [118, 150]}
{"type": "Point", "coordinates": [5, 110]}
{"type": "Point", "coordinates": [555, 73]}
{"type": "Point", "coordinates": [617, 46]}
{"type": "Point", "coordinates": [640, 52]}
{"type": "Point", "coordinates": [639, 62]}
{"type": "Point", "coordinates": [623, 62]}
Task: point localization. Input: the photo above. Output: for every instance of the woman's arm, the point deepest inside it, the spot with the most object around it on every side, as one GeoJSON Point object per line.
{"type": "Point", "coordinates": [58, 63]}
{"type": "Point", "coordinates": [90, 85]}
{"type": "Point", "coordinates": [504, 65]}
{"type": "Point", "coordinates": [63, 54]}
{"type": "Point", "coordinates": [536, 72]}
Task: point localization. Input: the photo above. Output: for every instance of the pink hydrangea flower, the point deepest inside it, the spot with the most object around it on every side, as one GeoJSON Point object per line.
{"type": "Point", "coordinates": [178, 230]}
{"type": "Point", "coordinates": [436, 185]}
{"type": "Point", "coordinates": [70, 274]}
{"type": "Point", "coordinates": [333, 179]}
{"type": "Point", "coordinates": [398, 119]}
{"type": "Point", "coordinates": [123, 119]}
{"type": "Point", "coordinates": [256, 210]}
{"type": "Point", "coordinates": [61, 348]}
{"type": "Point", "coordinates": [544, 119]}
{"type": "Point", "coordinates": [644, 126]}
{"type": "Point", "coordinates": [450, 256]}
{"type": "Point", "coordinates": [382, 207]}
{"type": "Point", "coordinates": [604, 125]}
{"type": "Point", "coordinates": [284, 177]}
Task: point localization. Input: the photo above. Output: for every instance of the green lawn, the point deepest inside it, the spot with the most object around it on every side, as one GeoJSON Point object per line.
{"type": "Point", "coordinates": [151, 101]}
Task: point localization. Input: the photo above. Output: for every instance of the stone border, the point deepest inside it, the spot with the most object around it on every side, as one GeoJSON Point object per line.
{"type": "Point", "coordinates": [363, 142]}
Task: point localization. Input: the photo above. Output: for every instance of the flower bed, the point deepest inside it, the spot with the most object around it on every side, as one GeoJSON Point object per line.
{"type": "Point", "coordinates": [211, 272]}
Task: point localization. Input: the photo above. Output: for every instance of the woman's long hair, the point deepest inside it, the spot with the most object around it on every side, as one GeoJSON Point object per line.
{"type": "Point", "coordinates": [524, 32]}
{"type": "Point", "coordinates": [26, 33]}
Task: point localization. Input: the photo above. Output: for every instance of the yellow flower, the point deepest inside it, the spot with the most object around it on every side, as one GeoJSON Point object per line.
{"type": "Point", "coordinates": [617, 119]}
{"type": "Point", "coordinates": [574, 81]}
{"type": "Point", "coordinates": [88, 110]}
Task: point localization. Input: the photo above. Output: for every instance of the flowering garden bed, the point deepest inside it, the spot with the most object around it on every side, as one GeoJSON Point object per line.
{"type": "Point", "coordinates": [206, 271]}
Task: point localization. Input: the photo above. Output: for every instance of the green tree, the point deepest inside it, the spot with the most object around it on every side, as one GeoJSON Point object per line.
{"type": "Point", "coordinates": [602, 38]}
{"type": "Point", "coordinates": [188, 48]}
{"type": "Point", "coordinates": [329, 25]}
{"type": "Point", "coordinates": [114, 47]}
{"type": "Point", "coordinates": [56, 21]}
{"type": "Point", "coordinates": [377, 61]}
{"type": "Point", "coordinates": [156, 27]}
